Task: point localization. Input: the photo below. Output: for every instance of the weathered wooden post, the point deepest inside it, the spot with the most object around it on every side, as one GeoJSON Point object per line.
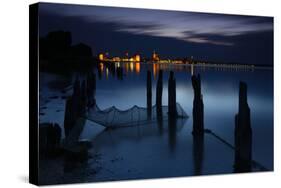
{"type": "Point", "coordinates": [172, 131]}
{"type": "Point", "coordinates": [198, 153]}
{"type": "Point", "coordinates": [172, 104]}
{"type": "Point", "coordinates": [72, 107]}
{"type": "Point", "coordinates": [172, 110]}
{"type": "Point", "coordinates": [159, 92]}
{"type": "Point", "coordinates": [75, 106]}
{"type": "Point", "coordinates": [68, 116]}
{"type": "Point", "coordinates": [91, 89]}
{"type": "Point", "coordinates": [83, 99]}
{"type": "Point", "coordinates": [198, 106]}
{"type": "Point", "coordinates": [148, 94]}
{"type": "Point", "coordinates": [243, 133]}
{"type": "Point", "coordinates": [198, 124]}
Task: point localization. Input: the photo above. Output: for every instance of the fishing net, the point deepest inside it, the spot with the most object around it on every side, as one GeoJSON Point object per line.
{"type": "Point", "coordinates": [113, 117]}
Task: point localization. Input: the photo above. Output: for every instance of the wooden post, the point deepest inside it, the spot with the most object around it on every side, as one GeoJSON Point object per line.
{"type": "Point", "coordinates": [243, 133]}
{"type": "Point", "coordinates": [149, 94]}
{"type": "Point", "coordinates": [198, 153]}
{"type": "Point", "coordinates": [159, 92]}
{"type": "Point", "coordinates": [91, 89]}
{"type": "Point", "coordinates": [198, 106]}
{"type": "Point", "coordinates": [172, 104]}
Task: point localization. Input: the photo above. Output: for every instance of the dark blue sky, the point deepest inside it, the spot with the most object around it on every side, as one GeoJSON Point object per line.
{"type": "Point", "coordinates": [213, 37]}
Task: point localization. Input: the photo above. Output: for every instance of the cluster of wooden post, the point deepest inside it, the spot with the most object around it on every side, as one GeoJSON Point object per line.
{"type": "Point", "coordinates": [172, 105]}
{"type": "Point", "coordinates": [198, 106]}
{"type": "Point", "coordinates": [243, 133]}
{"type": "Point", "coordinates": [82, 98]}
{"type": "Point", "coordinates": [243, 130]}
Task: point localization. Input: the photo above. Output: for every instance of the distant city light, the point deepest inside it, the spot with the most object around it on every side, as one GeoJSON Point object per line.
{"type": "Point", "coordinates": [101, 57]}
{"type": "Point", "coordinates": [155, 58]}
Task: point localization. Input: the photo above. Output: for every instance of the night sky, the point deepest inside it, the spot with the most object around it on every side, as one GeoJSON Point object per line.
{"type": "Point", "coordinates": [212, 37]}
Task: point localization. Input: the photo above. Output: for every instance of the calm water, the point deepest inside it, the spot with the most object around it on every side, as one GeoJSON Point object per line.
{"type": "Point", "coordinates": [147, 152]}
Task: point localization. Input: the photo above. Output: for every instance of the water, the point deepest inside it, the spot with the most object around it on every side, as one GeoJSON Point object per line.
{"type": "Point", "coordinates": [149, 152]}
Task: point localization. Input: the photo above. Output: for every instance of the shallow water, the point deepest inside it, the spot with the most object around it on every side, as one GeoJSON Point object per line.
{"type": "Point", "coordinates": [151, 152]}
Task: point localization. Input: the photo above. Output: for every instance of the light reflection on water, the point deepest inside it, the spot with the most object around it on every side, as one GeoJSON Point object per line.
{"type": "Point", "coordinates": [159, 151]}
{"type": "Point", "coordinates": [220, 93]}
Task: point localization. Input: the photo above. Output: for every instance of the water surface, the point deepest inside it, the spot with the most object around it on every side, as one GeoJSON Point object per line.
{"type": "Point", "coordinates": [151, 152]}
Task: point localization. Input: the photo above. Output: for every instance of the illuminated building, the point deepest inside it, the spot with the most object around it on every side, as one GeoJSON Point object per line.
{"type": "Point", "coordinates": [137, 58]}
{"type": "Point", "coordinates": [101, 57]}
{"type": "Point", "coordinates": [155, 56]}
{"type": "Point", "coordinates": [116, 59]}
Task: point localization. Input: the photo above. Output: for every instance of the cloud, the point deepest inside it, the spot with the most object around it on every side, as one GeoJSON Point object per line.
{"type": "Point", "coordinates": [215, 39]}
{"type": "Point", "coordinates": [184, 26]}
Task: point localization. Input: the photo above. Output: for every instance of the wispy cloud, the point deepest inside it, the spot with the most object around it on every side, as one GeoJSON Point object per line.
{"type": "Point", "coordinates": [185, 26]}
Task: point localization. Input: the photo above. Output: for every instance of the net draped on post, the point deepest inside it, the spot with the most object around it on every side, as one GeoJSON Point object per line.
{"type": "Point", "coordinates": [114, 118]}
